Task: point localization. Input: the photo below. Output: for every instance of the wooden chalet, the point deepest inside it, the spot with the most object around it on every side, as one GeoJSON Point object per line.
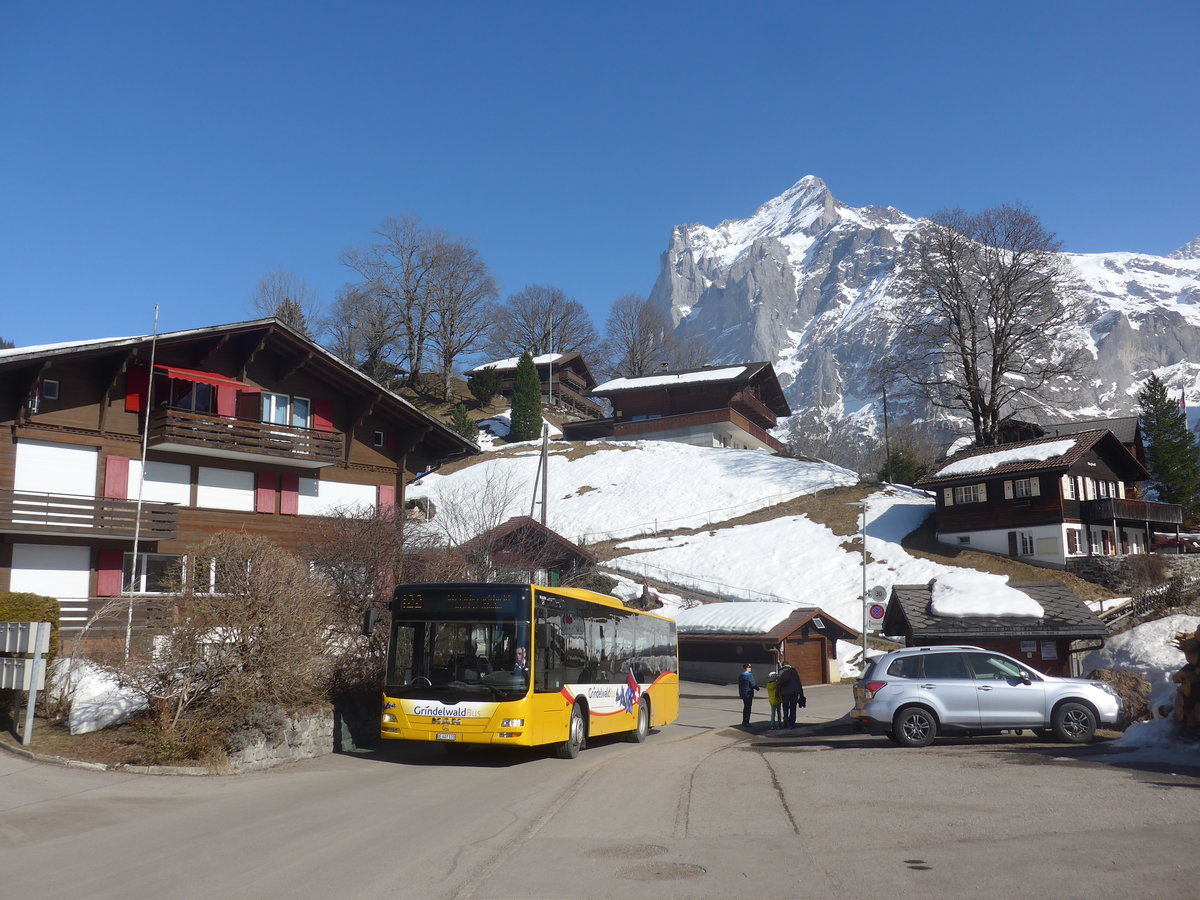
{"type": "Point", "coordinates": [714, 406]}
{"type": "Point", "coordinates": [248, 427]}
{"type": "Point", "coordinates": [565, 379]}
{"type": "Point", "coordinates": [807, 639]}
{"type": "Point", "coordinates": [1047, 644]}
{"type": "Point", "coordinates": [523, 549]}
{"type": "Point", "coordinates": [1050, 500]}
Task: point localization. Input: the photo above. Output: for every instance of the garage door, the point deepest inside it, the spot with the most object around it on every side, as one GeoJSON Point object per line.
{"type": "Point", "coordinates": [808, 656]}
{"type": "Point", "coordinates": [54, 571]}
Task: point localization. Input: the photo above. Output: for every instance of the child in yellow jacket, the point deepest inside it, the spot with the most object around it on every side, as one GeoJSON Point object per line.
{"type": "Point", "coordinates": [775, 700]}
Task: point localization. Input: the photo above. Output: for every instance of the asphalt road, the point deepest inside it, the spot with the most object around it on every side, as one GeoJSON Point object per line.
{"type": "Point", "coordinates": [702, 809]}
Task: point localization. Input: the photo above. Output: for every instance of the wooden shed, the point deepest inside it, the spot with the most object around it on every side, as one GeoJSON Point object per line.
{"type": "Point", "coordinates": [807, 639]}
{"type": "Point", "coordinates": [1045, 643]}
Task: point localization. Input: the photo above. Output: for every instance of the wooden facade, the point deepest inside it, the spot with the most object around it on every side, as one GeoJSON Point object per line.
{"type": "Point", "coordinates": [1019, 498]}
{"type": "Point", "coordinates": [807, 639]}
{"type": "Point", "coordinates": [249, 427]}
{"type": "Point", "coordinates": [1048, 644]}
{"type": "Point", "coordinates": [565, 378]}
{"type": "Point", "coordinates": [728, 406]}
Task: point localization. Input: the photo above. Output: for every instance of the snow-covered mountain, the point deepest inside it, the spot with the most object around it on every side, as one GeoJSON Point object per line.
{"type": "Point", "coordinates": [803, 282]}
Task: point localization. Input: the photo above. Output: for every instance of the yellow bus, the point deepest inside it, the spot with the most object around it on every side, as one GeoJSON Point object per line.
{"type": "Point", "coordinates": [523, 665]}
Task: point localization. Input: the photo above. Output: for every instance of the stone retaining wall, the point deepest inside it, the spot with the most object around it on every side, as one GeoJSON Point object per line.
{"type": "Point", "coordinates": [1122, 574]}
{"type": "Point", "coordinates": [276, 738]}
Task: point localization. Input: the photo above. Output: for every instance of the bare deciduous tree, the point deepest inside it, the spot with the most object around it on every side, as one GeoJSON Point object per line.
{"type": "Point", "coordinates": [399, 271]}
{"type": "Point", "coordinates": [287, 297]}
{"type": "Point", "coordinates": [985, 305]}
{"type": "Point", "coordinates": [541, 319]}
{"type": "Point", "coordinates": [362, 330]}
{"type": "Point", "coordinates": [639, 339]}
{"type": "Point", "coordinates": [461, 297]}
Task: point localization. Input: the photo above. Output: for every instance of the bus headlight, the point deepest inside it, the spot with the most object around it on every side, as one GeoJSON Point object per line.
{"type": "Point", "coordinates": [388, 717]}
{"type": "Point", "coordinates": [513, 723]}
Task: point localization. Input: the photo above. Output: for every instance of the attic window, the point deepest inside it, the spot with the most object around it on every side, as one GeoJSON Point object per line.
{"type": "Point", "coordinates": [49, 389]}
{"type": "Point", "coordinates": [379, 439]}
{"type": "Point", "coordinates": [817, 623]}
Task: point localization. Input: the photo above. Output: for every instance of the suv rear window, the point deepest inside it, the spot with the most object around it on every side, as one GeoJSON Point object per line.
{"type": "Point", "coordinates": [905, 667]}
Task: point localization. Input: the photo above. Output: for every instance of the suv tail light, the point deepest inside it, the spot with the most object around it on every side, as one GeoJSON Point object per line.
{"type": "Point", "coordinates": [873, 688]}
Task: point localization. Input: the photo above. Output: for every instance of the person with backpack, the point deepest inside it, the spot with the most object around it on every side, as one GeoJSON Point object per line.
{"type": "Point", "coordinates": [774, 700]}
{"type": "Point", "coordinates": [791, 694]}
{"type": "Point", "coordinates": [746, 688]}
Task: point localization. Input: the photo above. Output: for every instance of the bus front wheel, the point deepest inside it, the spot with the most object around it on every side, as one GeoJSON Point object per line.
{"type": "Point", "coordinates": [569, 749]}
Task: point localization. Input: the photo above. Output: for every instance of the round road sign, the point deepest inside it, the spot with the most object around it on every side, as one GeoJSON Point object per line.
{"type": "Point", "coordinates": [877, 610]}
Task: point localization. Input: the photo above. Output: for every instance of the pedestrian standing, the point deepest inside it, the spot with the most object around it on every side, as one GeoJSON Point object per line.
{"type": "Point", "coordinates": [791, 693]}
{"type": "Point", "coordinates": [746, 688]}
{"type": "Point", "coordinates": [774, 700]}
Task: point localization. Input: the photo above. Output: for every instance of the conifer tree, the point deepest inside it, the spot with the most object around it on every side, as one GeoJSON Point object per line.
{"type": "Point", "coordinates": [526, 401]}
{"type": "Point", "coordinates": [461, 421]}
{"type": "Point", "coordinates": [1172, 456]}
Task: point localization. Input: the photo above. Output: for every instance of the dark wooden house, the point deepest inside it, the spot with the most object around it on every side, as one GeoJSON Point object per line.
{"type": "Point", "coordinates": [714, 406]}
{"type": "Point", "coordinates": [247, 427]}
{"type": "Point", "coordinates": [565, 379]}
{"type": "Point", "coordinates": [805, 637]}
{"type": "Point", "coordinates": [1126, 429]}
{"type": "Point", "coordinates": [1050, 500]}
{"type": "Point", "coordinates": [1044, 643]}
{"type": "Point", "coordinates": [522, 549]}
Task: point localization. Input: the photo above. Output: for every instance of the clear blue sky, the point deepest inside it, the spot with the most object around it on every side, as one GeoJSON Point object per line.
{"type": "Point", "coordinates": [172, 153]}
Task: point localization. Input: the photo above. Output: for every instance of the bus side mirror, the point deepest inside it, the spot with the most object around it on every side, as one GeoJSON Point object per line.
{"type": "Point", "coordinates": [370, 620]}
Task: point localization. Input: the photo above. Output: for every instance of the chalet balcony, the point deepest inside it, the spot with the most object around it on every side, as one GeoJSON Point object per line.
{"type": "Point", "coordinates": [205, 434]}
{"type": "Point", "coordinates": [754, 409]}
{"type": "Point", "coordinates": [66, 515]}
{"type": "Point", "coordinates": [1108, 509]}
{"type": "Point", "coordinates": [566, 396]}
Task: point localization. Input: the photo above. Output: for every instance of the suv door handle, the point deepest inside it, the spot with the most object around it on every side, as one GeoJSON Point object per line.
{"type": "Point", "coordinates": [985, 687]}
{"type": "Point", "coordinates": [928, 687]}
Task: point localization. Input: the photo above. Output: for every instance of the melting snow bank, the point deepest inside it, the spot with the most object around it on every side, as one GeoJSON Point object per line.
{"type": "Point", "coordinates": [965, 592]}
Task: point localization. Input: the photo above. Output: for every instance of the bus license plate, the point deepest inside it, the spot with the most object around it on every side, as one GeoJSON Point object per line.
{"type": "Point", "coordinates": [446, 736]}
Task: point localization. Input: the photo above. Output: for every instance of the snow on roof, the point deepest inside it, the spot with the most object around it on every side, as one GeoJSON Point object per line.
{"type": "Point", "coordinates": [985, 462]}
{"type": "Point", "coordinates": [504, 364]}
{"type": "Point", "coordinates": [670, 380]}
{"type": "Point", "coordinates": [733, 618]}
{"type": "Point", "coordinates": [965, 592]}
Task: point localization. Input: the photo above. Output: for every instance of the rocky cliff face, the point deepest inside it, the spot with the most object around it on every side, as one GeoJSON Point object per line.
{"type": "Point", "coordinates": [804, 281]}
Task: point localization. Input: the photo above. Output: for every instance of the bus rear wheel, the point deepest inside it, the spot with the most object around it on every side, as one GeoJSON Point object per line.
{"type": "Point", "coordinates": [643, 724]}
{"type": "Point", "coordinates": [569, 749]}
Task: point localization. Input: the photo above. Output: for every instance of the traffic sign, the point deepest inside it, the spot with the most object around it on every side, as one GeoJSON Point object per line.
{"type": "Point", "coordinates": [875, 614]}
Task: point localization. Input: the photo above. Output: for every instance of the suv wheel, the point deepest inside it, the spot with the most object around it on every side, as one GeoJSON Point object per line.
{"type": "Point", "coordinates": [915, 727]}
{"type": "Point", "coordinates": [1074, 723]}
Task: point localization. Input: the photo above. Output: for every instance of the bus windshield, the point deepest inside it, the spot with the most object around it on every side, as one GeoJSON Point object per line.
{"type": "Point", "coordinates": [453, 645]}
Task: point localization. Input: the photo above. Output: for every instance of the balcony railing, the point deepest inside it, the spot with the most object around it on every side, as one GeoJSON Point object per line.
{"type": "Point", "coordinates": [1106, 509]}
{"type": "Point", "coordinates": [211, 435]}
{"type": "Point", "coordinates": [65, 514]}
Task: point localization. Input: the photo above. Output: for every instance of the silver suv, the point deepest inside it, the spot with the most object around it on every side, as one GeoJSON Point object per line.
{"type": "Point", "coordinates": [912, 695]}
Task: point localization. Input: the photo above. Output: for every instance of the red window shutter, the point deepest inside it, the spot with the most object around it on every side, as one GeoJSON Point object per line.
{"type": "Point", "coordinates": [323, 415]}
{"type": "Point", "coordinates": [264, 492]}
{"type": "Point", "coordinates": [390, 440]}
{"type": "Point", "coordinates": [289, 495]}
{"type": "Point", "coordinates": [116, 478]}
{"type": "Point", "coordinates": [108, 577]}
{"type": "Point", "coordinates": [385, 498]}
{"type": "Point", "coordinates": [137, 384]}
{"type": "Point", "coordinates": [227, 401]}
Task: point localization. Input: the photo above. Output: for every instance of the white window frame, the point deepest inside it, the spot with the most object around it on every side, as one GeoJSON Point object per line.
{"type": "Point", "coordinates": [1026, 544]}
{"type": "Point", "coordinates": [138, 582]}
{"type": "Point", "coordinates": [970, 493]}
{"type": "Point", "coordinates": [294, 411]}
